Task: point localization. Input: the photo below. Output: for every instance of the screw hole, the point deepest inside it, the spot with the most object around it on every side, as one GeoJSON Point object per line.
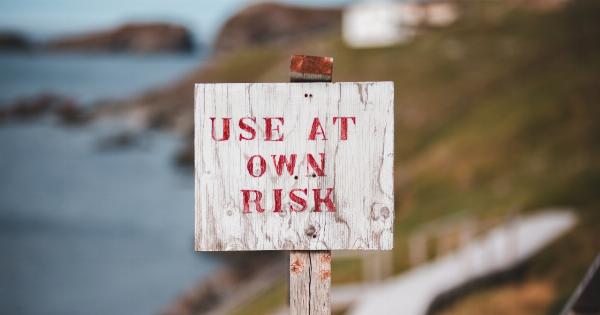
{"type": "Point", "coordinates": [310, 231]}
{"type": "Point", "coordinates": [305, 95]}
{"type": "Point", "coordinates": [296, 177]}
{"type": "Point", "coordinates": [314, 175]}
{"type": "Point", "coordinates": [310, 95]}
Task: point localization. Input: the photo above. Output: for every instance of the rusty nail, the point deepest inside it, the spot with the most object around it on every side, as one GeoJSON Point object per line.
{"type": "Point", "coordinates": [325, 274]}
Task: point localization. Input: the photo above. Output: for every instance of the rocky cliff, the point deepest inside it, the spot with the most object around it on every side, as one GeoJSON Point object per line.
{"type": "Point", "coordinates": [136, 38]}
{"type": "Point", "coordinates": [271, 22]}
{"type": "Point", "coordinates": [10, 40]}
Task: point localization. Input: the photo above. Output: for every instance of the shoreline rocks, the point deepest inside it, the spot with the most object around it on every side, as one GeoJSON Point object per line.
{"type": "Point", "coordinates": [13, 41]}
{"type": "Point", "coordinates": [238, 276]}
{"type": "Point", "coordinates": [141, 38]}
{"type": "Point", "coordinates": [66, 109]}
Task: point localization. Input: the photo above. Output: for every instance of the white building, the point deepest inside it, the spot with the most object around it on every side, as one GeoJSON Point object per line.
{"type": "Point", "coordinates": [384, 23]}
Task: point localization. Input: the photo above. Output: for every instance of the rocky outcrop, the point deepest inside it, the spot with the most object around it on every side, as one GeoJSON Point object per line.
{"type": "Point", "coordinates": [64, 108]}
{"type": "Point", "coordinates": [272, 22]}
{"type": "Point", "coordinates": [136, 38]}
{"type": "Point", "coordinates": [13, 41]}
{"type": "Point", "coordinates": [243, 276]}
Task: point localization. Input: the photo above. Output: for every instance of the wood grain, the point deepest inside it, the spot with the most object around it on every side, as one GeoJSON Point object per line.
{"type": "Point", "coordinates": [359, 169]}
{"type": "Point", "coordinates": [310, 282]}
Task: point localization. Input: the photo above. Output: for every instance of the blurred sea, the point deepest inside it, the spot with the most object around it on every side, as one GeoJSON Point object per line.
{"type": "Point", "coordinates": [88, 77]}
{"type": "Point", "coordinates": [85, 230]}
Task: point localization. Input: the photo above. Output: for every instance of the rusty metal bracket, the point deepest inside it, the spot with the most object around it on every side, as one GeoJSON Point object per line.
{"type": "Point", "coordinates": [311, 69]}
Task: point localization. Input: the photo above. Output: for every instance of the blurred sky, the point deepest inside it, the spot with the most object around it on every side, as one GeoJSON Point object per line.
{"type": "Point", "coordinates": [46, 18]}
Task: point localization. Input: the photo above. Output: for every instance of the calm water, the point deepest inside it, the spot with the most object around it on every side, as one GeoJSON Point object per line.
{"type": "Point", "coordinates": [88, 77]}
{"type": "Point", "coordinates": [87, 231]}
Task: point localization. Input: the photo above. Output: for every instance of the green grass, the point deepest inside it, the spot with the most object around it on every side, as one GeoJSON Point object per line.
{"type": "Point", "coordinates": [267, 302]}
{"type": "Point", "coordinates": [347, 270]}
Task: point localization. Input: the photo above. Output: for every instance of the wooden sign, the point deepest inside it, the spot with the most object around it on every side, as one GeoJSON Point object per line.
{"type": "Point", "coordinates": [294, 166]}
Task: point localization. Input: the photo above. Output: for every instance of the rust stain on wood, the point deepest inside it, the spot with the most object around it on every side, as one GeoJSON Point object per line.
{"type": "Point", "coordinates": [297, 266]}
{"type": "Point", "coordinates": [325, 274]}
{"type": "Point", "coordinates": [326, 258]}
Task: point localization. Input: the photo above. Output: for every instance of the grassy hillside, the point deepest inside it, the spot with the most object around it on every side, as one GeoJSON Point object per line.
{"type": "Point", "coordinates": [496, 114]}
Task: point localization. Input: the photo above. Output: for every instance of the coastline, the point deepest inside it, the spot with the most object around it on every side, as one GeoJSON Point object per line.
{"type": "Point", "coordinates": [94, 206]}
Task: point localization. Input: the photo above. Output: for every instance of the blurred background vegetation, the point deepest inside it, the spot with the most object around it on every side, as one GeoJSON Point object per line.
{"type": "Point", "coordinates": [495, 115]}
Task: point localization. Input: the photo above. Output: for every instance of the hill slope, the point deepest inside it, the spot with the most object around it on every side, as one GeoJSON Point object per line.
{"type": "Point", "coordinates": [495, 114]}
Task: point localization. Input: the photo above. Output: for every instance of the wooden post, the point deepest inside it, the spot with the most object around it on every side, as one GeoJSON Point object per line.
{"type": "Point", "coordinates": [310, 282]}
{"type": "Point", "coordinates": [310, 271]}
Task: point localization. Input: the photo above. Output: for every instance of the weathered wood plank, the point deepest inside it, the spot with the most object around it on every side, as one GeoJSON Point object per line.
{"type": "Point", "coordinates": [310, 282]}
{"type": "Point", "coordinates": [357, 169]}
